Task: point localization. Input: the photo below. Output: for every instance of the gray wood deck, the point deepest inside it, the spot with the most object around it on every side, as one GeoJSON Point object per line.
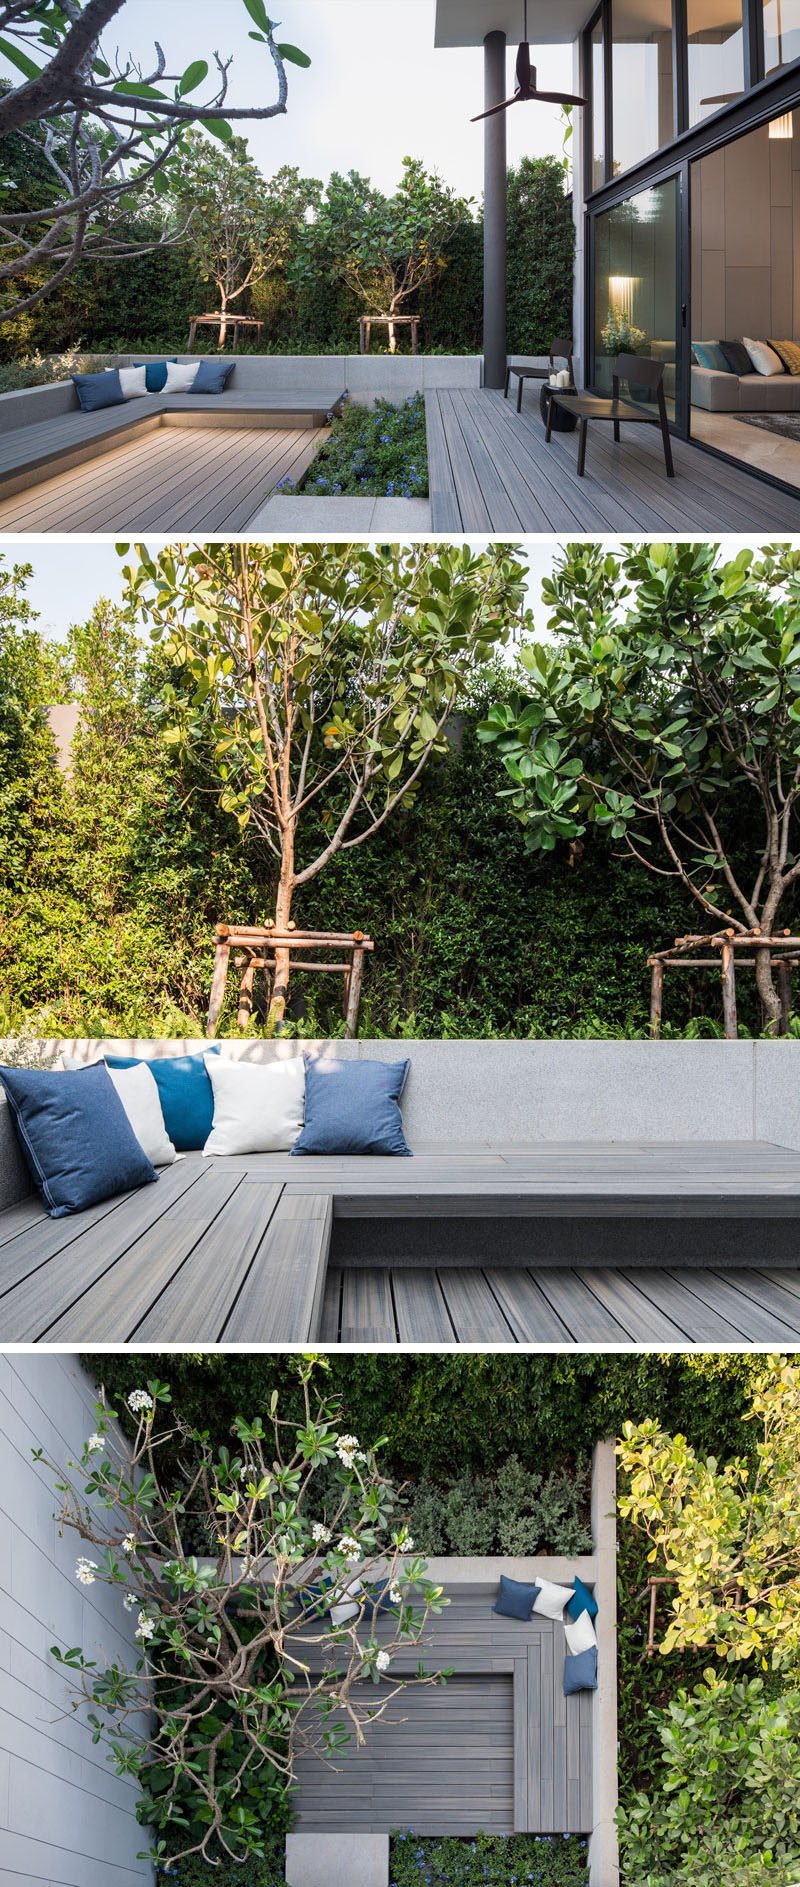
{"type": "Point", "coordinates": [459, 1245]}
{"type": "Point", "coordinates": [164, 477]}
{"type": "Point", "coordinates": [498, 1748]}
{"type": "Point", "coordinates": [491, 470]}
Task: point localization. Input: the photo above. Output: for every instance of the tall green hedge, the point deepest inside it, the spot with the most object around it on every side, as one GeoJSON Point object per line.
{"type": "Point", "coordinates": [147, 301]}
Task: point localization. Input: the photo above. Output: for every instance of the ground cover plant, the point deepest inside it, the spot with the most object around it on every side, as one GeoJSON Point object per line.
{"type": "Point", "coordinates": [380, 450]}
{"type": "Point", "coordinates": [499, 1860]}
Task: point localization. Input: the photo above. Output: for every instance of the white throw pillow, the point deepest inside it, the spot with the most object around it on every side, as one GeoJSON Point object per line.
{"type": "Point", "coordinates": [580, 1634]}
{"type": "Point", "coordinates": [257, 1108]}
{"type": "Point", "coordinates": [133, 381]}
{"type": "Point", "coordinates": [180, 375]}
{"type": "Point", "coordinates": [550, 1600]}
{"type": "Point", "coordinates": [764, 358]}
{"type": "Point", "coordinates": [138, 1092]}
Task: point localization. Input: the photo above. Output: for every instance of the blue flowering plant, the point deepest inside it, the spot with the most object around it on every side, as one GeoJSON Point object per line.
{"type": "Point", "coordinates": [377, 451]}
{"type": "Point", "coordinates": [487, 1860]}
{"type": "Point", "coordinates": [304, 1565]}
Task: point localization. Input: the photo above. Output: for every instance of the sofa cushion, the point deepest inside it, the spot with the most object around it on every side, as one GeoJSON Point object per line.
{"type": "Point", "coordinates": [580, 1634]}
{"type": "Point", "coordinates": [764, 358]}
{"type": "Point", "coordinates": [767, 393]}
{"type": "Point", "coordinates": [98, 389]}
{"type": "Point", "coordinates": [142, 1103]}
{"type": "Point", "coordinates": [515, 1599]}
{"type": "Point", "coordinates": [156, 373]}
{"type": "Point", "coordinates": [353, 1107]}
{"type": "Point", "coordinates": [580, 1673]}
{"type": "Point", "coordinates": [737, 356]}
{"type": "Point", "coordinates": [582, 1600]}
{"type": "Point", "coordinates": [181, 376]}
{"type": "Point", "coordinates": [709, 354]}
{"type": "Point", "coordinates": [789, 353]}
{"type": "Point", "coordinates": [257, 1108]}
{"type": "Point", "coordinates": [75, 1135]}
{"type": "Point", "coordinates": [187, 1101]}
{"type": "Point", "coordinates": [211, 376]}
{"type": "Point", "coordinates": [715, 392]}
{"type": "Point", "coordinates": [133, 381]}
{"type": "Point", "coordinates": [551, 1599]}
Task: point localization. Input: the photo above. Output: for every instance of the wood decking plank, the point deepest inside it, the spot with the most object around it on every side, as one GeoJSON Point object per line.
{"type": "Point", "coordinates": [529, 1313]}
{"type": "Point", "coordinates": [634, 1310]}
{"type": "Point", "coordinates": [331, 1306]}
{"type": "Point", "coordinates": [772, 1291]}
{"type": "Point", "coordinates": [568, 503]}
{"type": "Point", "coordinates": [571, 1296]}
{"type": "Point", "coordinates": [474, 1311]}
{"type": "Point", "coordinates": [420, 1308]}
{"type": "Point", "coordinates": [445, 509]}
{"type": "Point", "coordinates": [757, 1324]}
{"type": "Point", "coordinates": [672, 1292]}
{"type": "Point", "coordinates": [282, 1296]}
{"type": "Point", "coordinates": [475, 515]}
{"type": "Point", "coordinates": [367, 1314]}
{"type": "Point", "coordinates": [200, 1296]}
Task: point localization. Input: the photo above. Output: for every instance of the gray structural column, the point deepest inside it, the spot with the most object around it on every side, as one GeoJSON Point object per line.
{"type": "Point", "coordinates": [494, 213]}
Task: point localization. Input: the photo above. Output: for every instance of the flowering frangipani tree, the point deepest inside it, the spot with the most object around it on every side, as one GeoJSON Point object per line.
{"type": "Point", "coordinates": [257, 1575]}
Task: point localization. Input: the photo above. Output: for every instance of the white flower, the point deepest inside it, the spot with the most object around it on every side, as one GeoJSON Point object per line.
{"type": "Point", "coordinates": [129, 1543]}
{"type": "Point", "coordinates": [348, 1450]}
{"type": "Point", "coordinates": [95, 1444]}
{"type": "Point", "coordinates": [383, 1661]}
{"type": "Point", "coordinates": [139, 1400]}
{"type": "Point", "coordinates": [348, 1545]}
{"type": "Point", "coordinates": [130, 1600]}
{"type": "Point", "coordinates": [145, 1627]}
{"type": "Point", "coordinates": [85, 1570]}
{"type": "Point", "coordinates": [320, 1533]}
{"type": "Point", "coordinates": [405, 1543]}
{"type": "Point", "coordinates": [395, 1595]}
{"type": "Point", "coordinates": [245, 1470]}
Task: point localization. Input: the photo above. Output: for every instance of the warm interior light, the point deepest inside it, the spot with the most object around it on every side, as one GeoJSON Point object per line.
{"type": "Point", "coordinates": [782, 127]}
{"type": "Point", "coordinates": [620, 293]}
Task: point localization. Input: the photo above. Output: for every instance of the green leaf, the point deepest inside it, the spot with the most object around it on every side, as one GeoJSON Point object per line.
{"type": "Point", "coordinates": [19, 59]}
{"type": "Point", "coordinates": [258, 14]}
{"type": "Point", "coordinates": [219, 128]}
{"type": "Point", "coordinates": [294, 55]}
{"type": "Point", "coordinates": [193, 76]}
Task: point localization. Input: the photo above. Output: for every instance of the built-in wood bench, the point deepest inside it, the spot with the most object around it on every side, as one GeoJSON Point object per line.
{"type": "Point", "coordinates": [536, 1237]}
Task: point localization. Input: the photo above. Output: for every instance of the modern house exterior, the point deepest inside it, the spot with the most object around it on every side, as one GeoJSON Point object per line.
{"type": "Point", "coordinates": [686, 188]}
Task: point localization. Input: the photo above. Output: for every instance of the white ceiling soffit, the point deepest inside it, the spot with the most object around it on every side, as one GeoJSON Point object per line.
{"type": "Point", "coordinates": [550, 22]}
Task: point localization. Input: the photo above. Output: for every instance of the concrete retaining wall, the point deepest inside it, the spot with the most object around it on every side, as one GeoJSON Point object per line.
{"type": "Point", "coordinates": [364, 376]}
{"type": "Point", "coordinates": [66, 1818]}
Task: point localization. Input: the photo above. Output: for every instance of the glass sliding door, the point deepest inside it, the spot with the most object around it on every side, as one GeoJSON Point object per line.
{"type": "Point", "coordinates": [638, 287]}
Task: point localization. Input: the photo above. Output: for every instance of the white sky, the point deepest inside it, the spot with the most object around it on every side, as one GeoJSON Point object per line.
{"type": "Point", "coordinates": [70, 574]}
{"type": "Point", "coordinates": [376, 91]}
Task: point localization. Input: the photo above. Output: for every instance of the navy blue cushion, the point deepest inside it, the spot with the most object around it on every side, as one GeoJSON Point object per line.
{"type": "Point", "coordinates": [582, 1601]}
{"type": "Point", "coordinates": [211, 376]}
{"type": "Point", "coordinates": [185, 1093]}
{"type": "Point", "coordinates": [580, 1672]}
{"type": "Point", "coordinates": [352, 1107]}
{"type": "Point", "coordinates": [155, 378]}
{"type": "Point", "coordinates": [737, 357]}
{"type": "Point", "coordinates": [76, 1137]}
{"type": "Point", "coordinates": [98, 389]}
{"type": "Point", "coordinates": [514, 1600]}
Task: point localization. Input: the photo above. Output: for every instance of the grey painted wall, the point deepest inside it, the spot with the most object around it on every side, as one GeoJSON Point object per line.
{"type": "Point", "coordinates": [66, 1818]}
{"type": "Point", "coordinates": [745, 259]}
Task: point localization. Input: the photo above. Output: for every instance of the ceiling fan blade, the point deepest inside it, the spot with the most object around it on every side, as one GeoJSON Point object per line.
{"type": "Point", "coordinates": [558, 98]}
{"type": "Point", "coordinates": [523, 67]}
{"type": "Point", "coordinates": [493, 109]}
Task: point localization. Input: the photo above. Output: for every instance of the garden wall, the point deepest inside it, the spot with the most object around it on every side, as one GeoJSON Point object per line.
{"type": "Point", "coordinates": [66, 1819]}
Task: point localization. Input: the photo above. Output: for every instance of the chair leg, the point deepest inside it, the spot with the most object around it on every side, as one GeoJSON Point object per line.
{"type": "Point", "coordinates": [519, 394]}
{"type": "Point", "coordinates": [508, 382]}
{"type": "Point", "coordinates": [616, 432]}
{"type": "Point", "coordinates": [582, 448]}
{"type": "Point", "coordinates": [549, 420]}
{"type": "Point", "coordinates": [666, 438]}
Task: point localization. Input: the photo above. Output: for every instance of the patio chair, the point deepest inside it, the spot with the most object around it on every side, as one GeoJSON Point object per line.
{"type": "Point", "coordinates": [638, 371]}
{"type": "Point", "coordinates": [560, 349]}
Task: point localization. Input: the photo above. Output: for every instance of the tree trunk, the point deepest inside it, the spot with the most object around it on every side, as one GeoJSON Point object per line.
{"type": "Point", "coordinates": [223, 323]}
{"type": "Point", "coordinates": [770, 1000]}
{"type": "Point", "coordinates": [283, 911]}
{"type": "Point", "coordinates": [392, 338]}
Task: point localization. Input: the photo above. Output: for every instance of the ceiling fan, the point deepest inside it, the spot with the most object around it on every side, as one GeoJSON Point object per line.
{"type": "Point", "coordinates": [526, 87]}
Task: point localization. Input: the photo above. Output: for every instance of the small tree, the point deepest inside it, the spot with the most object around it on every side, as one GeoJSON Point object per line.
{"type": "Point", "coordinates": [667, 715]}
{"type": "Point", "coordinates": [240, 227]}
{"type": "Point", "coordinates": [231, 1565]}
{"type": "Point", "coordinates": [385, 249]}
{"type": "Point", "coordinates": [107, 129]}
{"type": "Point", "coordinates": [725, 1540]}
{"type": "Point", "coordinates": [313, 682]}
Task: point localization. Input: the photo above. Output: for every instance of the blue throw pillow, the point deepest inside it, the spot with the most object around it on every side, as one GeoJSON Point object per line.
{"type": "Point", "coordinates": [75, 1135]}
{"type": "Point", "coordinates": [211, 376]}
{"type": "Point", "coordinates": [582, 1601]}
{"type": "Point", "coordinates": [155, 378]}
{"type": "Point", "coordinates": [709, 354]}
{"type": "Point", "coordinates": [185, 1093]}
{"type": "Point", "coordinates": [98, 389]}
{"type": "Point", "coordinates": [352, 1107]}
{"type": "Point", "coordinates": [514, 1600]}
{"type": "Point", "coordinates": [580, 1672]}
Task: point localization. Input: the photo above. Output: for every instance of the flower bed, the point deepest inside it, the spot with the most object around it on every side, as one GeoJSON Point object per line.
{"type": "Point", "coordinates": [487, 1860]}
{"type": "Point", "coordinates": [378, 452]}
